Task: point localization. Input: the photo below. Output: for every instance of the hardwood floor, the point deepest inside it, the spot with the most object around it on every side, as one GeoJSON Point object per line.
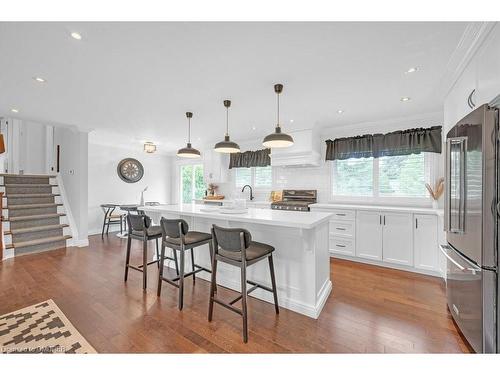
{"type": "Point", "coordinates": [371, 309]}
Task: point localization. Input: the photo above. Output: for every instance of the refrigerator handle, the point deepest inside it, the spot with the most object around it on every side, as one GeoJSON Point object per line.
{"type": "Point", "coordinates": [447, 187]}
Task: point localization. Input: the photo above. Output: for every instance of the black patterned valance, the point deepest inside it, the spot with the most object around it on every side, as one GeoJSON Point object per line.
{"type": "Point", "coordinates": [247, 159]}
{"type": "Point", "coordinates": [403, 142]}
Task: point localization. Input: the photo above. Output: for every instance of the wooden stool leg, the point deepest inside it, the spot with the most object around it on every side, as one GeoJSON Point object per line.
{"type": "Point", "coordinates": [157, 254]}
{"type": "Point", "coordinates": [181, 280]}
{"type": "Point", "coordinates": [127, 258]}
{"type": "Point", "coordinates": [192, 266]}
{"type": "Point", "coordinates": [212, 256]}
{"type": "Point", "coordinates": [213, 284]}
{"type": "Point", "coordinates": [144, 264]}
{"type": "Point", "coordinates": [244, 301]}
{"type": "Point", "coordinates": [162, 261]}
{"type": "Point", "coordinates": [175, 260]}
{"type": "Point", "coordinates": [103, 226]}
{"type": "Point", "coordinates": [273, 282]}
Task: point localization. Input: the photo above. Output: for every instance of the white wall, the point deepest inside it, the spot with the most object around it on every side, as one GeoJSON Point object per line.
{"type": "Point", "coordinates": [73, 173]}
{"type": "Point", "coordinates": [104, 185]}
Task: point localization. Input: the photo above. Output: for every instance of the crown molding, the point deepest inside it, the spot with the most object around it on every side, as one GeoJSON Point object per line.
{"type": "Point", "coordinates": [473, 37]}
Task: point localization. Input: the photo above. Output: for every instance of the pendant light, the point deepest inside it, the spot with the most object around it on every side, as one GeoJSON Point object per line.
{"type": "Point", "coordinates": [278, 139]}
{"type": "Point", "coordinates": [188, 151]}
{"type": "Point", "coordinates": [227, 146]}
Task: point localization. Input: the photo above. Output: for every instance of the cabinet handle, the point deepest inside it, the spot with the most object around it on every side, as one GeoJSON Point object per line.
{"type": "Point", "coordinates": [340, 228]}
{"type": "Point", "coordinates": [340, 214]}
{"type": "Point", "coordinates": [339, 245]}
{"type": "Point", "coordinates": [384, 219]}
{"type": "Point", "coordinates": [416, 223]}
{"type": "Point", "coordinates": [380, 219]}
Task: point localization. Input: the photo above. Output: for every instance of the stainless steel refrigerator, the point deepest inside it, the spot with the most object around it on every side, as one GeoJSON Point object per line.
{"type": "Point", "coordinates": [471, 224]}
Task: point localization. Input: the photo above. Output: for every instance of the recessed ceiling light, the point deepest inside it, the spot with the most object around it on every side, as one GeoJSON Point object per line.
{"type": "Point", "coordinates": [14, 110]}
{"type": "Point", "coordinates": [405, 99]}
{"type": "Point", "coordinates": [291, 120]}
{"type": "Point", "coordinates": [39, 79]}
{"type": "Point", "coordinates": [76, 35]}
{"type": "Point", "coordinates": [411, 70]}
{"type": "Point", "coordinates": [253, 128]}
{"type": "Point", "coordinates": [340, 111]}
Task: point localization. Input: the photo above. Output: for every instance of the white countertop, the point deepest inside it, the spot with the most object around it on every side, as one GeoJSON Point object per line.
{"type": "Point", "coordinates": [387, 208]}
{"type": "Point", "coordinates": [266, 216]}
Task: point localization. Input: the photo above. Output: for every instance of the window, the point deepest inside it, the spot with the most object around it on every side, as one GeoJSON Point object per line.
{"type": "Point", "coordinates": [192, 184]}
{"type": "Point", "coordinates": [386, 177]}
{"type": "Point", "coordinates": [258, 177]}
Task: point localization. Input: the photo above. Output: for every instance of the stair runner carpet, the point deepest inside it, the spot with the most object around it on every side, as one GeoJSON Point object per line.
{"type": "Point", "coordinates": [35, 224]}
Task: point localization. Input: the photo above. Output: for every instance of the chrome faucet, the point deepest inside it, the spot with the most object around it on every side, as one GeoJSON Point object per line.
{"type": "Point", "coordinates": [251, 193]}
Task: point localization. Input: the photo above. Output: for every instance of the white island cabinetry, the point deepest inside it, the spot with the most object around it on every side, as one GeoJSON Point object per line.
{"type": "Point", "coordinates": [301, 258]}
{"type": "Point", "coordinates": [396, 237]}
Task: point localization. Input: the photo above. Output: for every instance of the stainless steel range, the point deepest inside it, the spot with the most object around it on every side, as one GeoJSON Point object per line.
{"type": "Point", "coordinates": [296, 200]}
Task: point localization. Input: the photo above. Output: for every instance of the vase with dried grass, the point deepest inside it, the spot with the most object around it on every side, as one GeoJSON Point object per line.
{"type": "Point", "coordinates": [436, 192]}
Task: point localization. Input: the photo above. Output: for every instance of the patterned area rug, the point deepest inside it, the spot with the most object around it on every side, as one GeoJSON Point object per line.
{"type": "Point", "coordinates": [41, 328]}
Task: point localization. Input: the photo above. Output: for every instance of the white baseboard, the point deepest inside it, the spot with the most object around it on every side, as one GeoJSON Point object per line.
{"type": "Point", "coordinates": [78, 243]}
{"type": "Point", "coordinates": [387, 265]}
{"type": "Point", "coordinates": [8, 253]}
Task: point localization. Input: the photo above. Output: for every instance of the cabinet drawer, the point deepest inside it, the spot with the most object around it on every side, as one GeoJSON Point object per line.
{"type": "Point", "coordinates": [341, 245]}
{"type": "Point", "coordinates": [342, 228]}
{"type": "Point", "coordinates": [343, 215]}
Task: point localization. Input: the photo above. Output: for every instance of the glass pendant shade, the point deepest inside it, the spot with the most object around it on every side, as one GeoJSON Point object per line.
{"type": "Point", "coordinates": [189, 151]}
{"type": "Point", "coordinates": [278, 139]}
{"type": "Point", "coordinates": [227, 146]}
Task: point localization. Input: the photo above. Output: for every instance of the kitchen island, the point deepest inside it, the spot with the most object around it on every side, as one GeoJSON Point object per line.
{"type": "Point", "coordinates": [301, 258]}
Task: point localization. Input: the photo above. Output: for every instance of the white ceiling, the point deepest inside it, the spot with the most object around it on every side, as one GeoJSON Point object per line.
{"type": "Point", "coordinates": [133, 82]}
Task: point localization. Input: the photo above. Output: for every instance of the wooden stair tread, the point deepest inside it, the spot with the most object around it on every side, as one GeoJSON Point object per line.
{"type": "Point", "coordinates": [28, 185]}
{"type": "Point", "coordinates": [31, 195]}
{"type": "Point", "coordinates": [27, 175]}
{"type": "Point", "coordinates": [31, 205]}
{"type": "Point", "coordinates": [39, 241]}
{"type": "Point", "coordinates": [33, 217]}
{"type": "Point", "coordinates": [35, 229]}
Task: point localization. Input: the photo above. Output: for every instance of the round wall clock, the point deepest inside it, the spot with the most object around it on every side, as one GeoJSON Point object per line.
{"type": "Point", "coordinates": [130, 170]}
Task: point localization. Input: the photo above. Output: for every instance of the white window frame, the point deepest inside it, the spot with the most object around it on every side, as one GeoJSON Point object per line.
{"type": "Point", "coordinates": [431, 162]}
{"type": "Point", "coordinates": [252, 180]}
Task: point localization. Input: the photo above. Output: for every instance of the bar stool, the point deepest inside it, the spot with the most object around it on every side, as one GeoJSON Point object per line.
{"type": "Point", "coordinates": [111, 218]}
{"type": "Point", "coordinates": [178, 237]}
{"type": "Point", "coordinates": [235, 246]}
{"type": "Point", "coordinates": [140, 228]}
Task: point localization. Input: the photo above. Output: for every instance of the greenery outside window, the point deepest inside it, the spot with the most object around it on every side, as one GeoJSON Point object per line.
{"type": "Point", "coordinates": [192, 184]}
{"type": "Point", "coordinates": [257, 177]}
{"type": "Point", "coordinates": [386, 178]}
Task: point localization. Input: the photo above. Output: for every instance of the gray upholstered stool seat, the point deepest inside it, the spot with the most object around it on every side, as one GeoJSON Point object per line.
{"type": "Point", "coordinates": [234, 246]}
{"type": "Point", "coordinates": [190, 238]}
{"type": "Point", "coordinates": [140, 228]}
{"type": "Point", "coordinates": [177, 236]}
{"type": "Point", "coordinates": [254, 251]}
{"type": "Point", "coordinates": [152, 231]}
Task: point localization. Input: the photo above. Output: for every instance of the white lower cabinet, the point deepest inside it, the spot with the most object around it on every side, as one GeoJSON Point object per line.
{"type": "Point", "coordinates": [404, 240]}
{"type": "Point", "coordinates": [369, 235]}
{"type": "Point", "coordinates": [397, 238]}
{"type": "Point", "coordinates": [425, 242]}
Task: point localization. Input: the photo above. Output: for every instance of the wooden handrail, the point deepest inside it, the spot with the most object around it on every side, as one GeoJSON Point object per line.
{"type": "Point", "coordinates": [1, 226]}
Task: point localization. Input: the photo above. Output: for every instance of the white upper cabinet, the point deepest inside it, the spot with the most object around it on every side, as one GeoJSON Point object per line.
{"type": "Point", "coordinates": [397, 238]}
{"type": "Point", "coordinates": [488, 68]}
{"type": "Point", "coordinates": [457, 105]}
{"type": "Point", "coordinates": [425, 242]}
{"type": "Point", "coordinates": [215, 167]}
{"type": "Point", "coordinates": [369, 235]}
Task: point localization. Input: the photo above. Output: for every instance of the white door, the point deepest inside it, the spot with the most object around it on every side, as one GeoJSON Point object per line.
{"type": "Point", "coordinates": [397, 238]}
{"type": "Point", "coordinates": [425, 244]}
{"type": "Point", "coordinates": [369, 235]}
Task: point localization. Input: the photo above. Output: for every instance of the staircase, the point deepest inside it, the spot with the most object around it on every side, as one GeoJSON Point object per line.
{"type": "Point", "coordinates": [33, 218]}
